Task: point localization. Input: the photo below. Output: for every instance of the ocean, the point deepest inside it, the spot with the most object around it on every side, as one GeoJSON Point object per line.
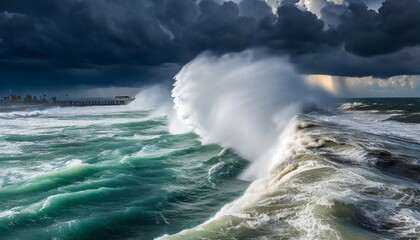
{"type": "Point", "coordinates": [347, 172]}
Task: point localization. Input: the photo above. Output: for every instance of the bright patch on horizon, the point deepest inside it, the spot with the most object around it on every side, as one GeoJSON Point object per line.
{"type": "Point", "coordinates": [324, 81]}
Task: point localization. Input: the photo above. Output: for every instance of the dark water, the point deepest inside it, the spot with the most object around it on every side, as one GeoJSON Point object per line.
{"type": "Point", "coordinates": [400, 109]}
{"type": "Point", "coordinates": [118, 173]}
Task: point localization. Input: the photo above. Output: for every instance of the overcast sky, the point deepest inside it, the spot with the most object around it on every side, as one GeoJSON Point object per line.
{"type": "Point", "coordinates": [367, 48]}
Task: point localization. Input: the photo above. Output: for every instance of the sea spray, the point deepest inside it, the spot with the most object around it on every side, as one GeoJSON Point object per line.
{"type": "Point", "coordinates": [157, 99]}
{"type": "Point", "coordinates": [242, 101]}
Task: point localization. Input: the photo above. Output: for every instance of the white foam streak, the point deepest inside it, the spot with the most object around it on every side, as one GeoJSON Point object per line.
{"type": "Point", "coordinates": [23, 114]}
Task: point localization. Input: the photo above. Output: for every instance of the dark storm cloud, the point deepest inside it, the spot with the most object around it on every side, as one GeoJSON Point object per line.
{"type": "Point", "coordinates": [255, 9]}
{"type": "Point", "coordinates": [113, 42]}
{"type": "Point", "coordinates": [79, 33]}
{"type": "Point", "coordinates": [395, 26]}
{"type": "Point", "coordinates": [331, 14]}
{"type": "Point", "coordinates": [294, 31]}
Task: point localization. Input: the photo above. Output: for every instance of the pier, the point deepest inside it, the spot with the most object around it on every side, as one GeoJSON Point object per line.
{"type": "Point", "coordinates": [118, 100]}
{"type": "Point", "coordinates": [53, 101]}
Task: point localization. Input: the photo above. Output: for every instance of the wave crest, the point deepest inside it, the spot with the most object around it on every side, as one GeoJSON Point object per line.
{"type": "Point", "coordinates": [352, 106]}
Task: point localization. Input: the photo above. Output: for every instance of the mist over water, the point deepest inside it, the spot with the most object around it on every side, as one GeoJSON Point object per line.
{"type": "Point", "coordinates": [242, 101]}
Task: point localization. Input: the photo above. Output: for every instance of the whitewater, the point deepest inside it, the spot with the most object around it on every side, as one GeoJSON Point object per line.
{"type": "Point", "coordinates": [240, 148]}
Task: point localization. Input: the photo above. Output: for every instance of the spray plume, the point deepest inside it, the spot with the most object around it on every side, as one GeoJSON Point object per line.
{"type": "Point", "coordinates": [242, 101]}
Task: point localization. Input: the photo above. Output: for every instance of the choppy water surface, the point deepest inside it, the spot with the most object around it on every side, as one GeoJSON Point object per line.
{"type": "Point", "coordinates": [117, 173]}
{"type": "Point", "coordinates": [107, 173]}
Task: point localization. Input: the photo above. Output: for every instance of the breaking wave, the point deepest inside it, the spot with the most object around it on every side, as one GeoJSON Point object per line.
{"type": "Point", "coordinates": [249, 104]}
{"type": "Point", "coordinates": [312, 171]}
{"type": "Point", "coordinates": [244, 102]}
{"type": "Point", "coordinates": [352, 106]}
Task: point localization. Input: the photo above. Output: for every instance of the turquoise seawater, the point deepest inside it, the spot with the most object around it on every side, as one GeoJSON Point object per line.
{"type": "Point", "coordinates": [107, 173]}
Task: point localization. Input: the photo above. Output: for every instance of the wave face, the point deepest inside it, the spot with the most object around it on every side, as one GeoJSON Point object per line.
{"type": "Point", "coordinates": [242, 101]}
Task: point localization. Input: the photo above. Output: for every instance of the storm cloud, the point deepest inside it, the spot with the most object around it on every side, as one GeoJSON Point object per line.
{"type": "Point", "coordinates": [131, 42]}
